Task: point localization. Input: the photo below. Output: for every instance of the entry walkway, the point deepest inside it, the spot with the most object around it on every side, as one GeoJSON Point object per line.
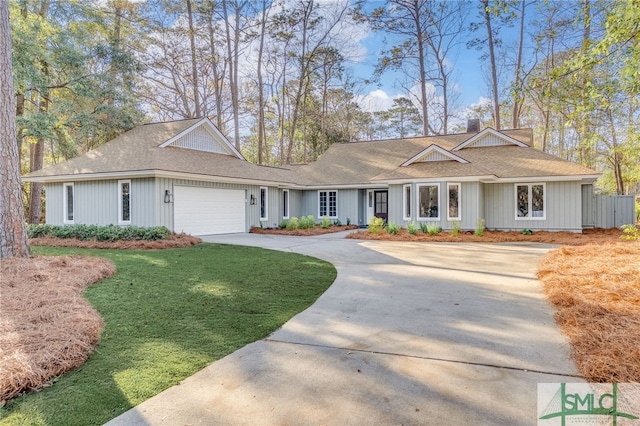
{"type": "Point", "coordinates": [409, 333]}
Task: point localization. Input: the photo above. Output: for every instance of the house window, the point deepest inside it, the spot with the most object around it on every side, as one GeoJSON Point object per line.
{"type": "Point", "coordinates": [454, 201]}
{"type": "Point", "coordinates": [263, 203]}
{"type": "Point", "coordinates": [530, 201]}
{"type": "Point", "coordinates": [67, 202]}
{"type": "Point", "coordinates": [428, 202]}
{"type": "Point", "coordinates": [406, 202]}
{"type": "Point", "coordinates": [124, 202]}
{"type": "Point", "coordinates": [328, 204]}
{"type": "Point", "coordinates": [285, 204]}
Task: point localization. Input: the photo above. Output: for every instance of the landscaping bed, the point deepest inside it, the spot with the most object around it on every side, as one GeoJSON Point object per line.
{"type": "Point", "coordinates": [47, 327]}
{"type": "Point", "coordinates": [172, 241]}
{"type": "Point", "coordinates": [306, 232]}
{"type": "Point", "coordinates": [560, 238]}
{"type": "Point", "coordinates": [596, 291]}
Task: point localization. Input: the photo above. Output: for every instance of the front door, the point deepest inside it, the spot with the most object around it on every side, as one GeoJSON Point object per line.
{"type": "Point", "coordinates": [381, 206]}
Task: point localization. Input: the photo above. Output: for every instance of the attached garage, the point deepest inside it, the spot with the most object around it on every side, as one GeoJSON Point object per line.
{"type": "Point", "coordinates": [205, 211]}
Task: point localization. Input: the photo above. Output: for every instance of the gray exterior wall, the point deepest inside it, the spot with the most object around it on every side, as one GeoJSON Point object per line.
{"type": "Point", "coordinates": [96, 202]}
{"type": "Point", "coordinates": [53, 203]}
{"type": "Point", "coordinates": [470, 204]}
{"type": "Point", "coordinates": [563, 207]}
{"type": "Point", "coordinates": [348, 204]}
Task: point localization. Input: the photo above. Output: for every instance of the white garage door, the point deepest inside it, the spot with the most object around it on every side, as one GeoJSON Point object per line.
{"type": "Point", "coordinates": [204, 211]}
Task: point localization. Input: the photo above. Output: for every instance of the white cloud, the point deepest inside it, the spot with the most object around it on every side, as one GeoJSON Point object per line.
{"type": "Point", "coordinates": [377, 100]}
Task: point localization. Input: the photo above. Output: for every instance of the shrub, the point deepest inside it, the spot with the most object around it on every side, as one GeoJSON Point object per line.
{"type": "Point", "coordinates": [630, 232]}
{"type": "Point", "coordinates": [424, 226]}
{"type": "Point", "coordinates": [326, 222]}
{"type": "Point", "coordinates": [392, 228]}
{"type": "Point", "coordinates": [293, 224]}
{"type": "Point", "coordinates": [527, 232]}
{"type": "Point", "coordinates": [412, 228]}
{"type": "Point", "coordinates": [99, 233]}
{"type": "Point", "coordinates": [456, 228]}
{"type": "Point", "coordinates": [283, 224]}
{"type": "Point", "coordinates": [307, 222]}
{"type": "Point", "coordinates": [433, 229]}
{"type": "Point", "coordinates": [348, 222]}
{"type": "Point", "coordinates": [479, 232]}
{"type": "Point", "coordinates": [337, 222]}
{"type": "Point", "coordinates": [376, 225]}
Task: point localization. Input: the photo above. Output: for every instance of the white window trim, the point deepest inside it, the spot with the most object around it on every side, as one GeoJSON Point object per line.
{"type": "Point", "coordinates": [120, 220]}
{"type": "Point", "coordinates": [286, 211]}
{"type": "Point", "coordinates": [64, 203]}
{"type": "Point", "coordinates": [328, 191]}
{"type": "Point", "coordinates": [423, 219]}
{"type": "Point", "coordinates": [530, 200]}
{"type": "Point", "coordinates": [266, 203]}
{"type": "Point", "coordinates": [406, 214]}
{"type": "Point", "coordinates": [459, 217]}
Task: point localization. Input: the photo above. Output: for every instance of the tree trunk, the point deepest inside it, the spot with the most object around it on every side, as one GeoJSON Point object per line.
{"type": "Point", "coordinates": [423, 71]}
{"type": "Point", "coordinates": [194, 64]}
{"type": "Point", "coordinates": [517, 101]}
{"type": "Point", "coordinates": [261, 103]}
{"type": "Point", "coordinates": [494, 71]}
{"type": "Point", "coordinates": [13, 235]}
{"type": "Point", "coordinates": [36, 161]}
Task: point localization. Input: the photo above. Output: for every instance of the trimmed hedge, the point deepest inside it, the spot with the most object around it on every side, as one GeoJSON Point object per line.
{"type": "Point", "coordinates": [99, 233]}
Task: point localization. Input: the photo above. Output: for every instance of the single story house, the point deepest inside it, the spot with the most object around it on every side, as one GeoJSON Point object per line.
{"type": "Point", "coordinates": [187, 176]}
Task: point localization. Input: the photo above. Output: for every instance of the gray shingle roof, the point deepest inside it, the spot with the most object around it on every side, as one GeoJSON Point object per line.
{"type": "Point", "coordinates": [137, 150]}
{"type": "Point", "coordinates": [358, 163]}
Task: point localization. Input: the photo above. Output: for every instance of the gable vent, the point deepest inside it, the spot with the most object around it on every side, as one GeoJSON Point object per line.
{"type": "Point", "coordinates": [490, 140]}
{"type": "Point", "coordinates": [435, 156]}
{"type": "Point", "coordinates": [200, 139]}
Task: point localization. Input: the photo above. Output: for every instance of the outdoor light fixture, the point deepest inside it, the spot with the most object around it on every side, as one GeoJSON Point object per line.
{"type": "Point", "coordinates": [252, 200]}
{"type": "Point", "coordinates": [168, 197]}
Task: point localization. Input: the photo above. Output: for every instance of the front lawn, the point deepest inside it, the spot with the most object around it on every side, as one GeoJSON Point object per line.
{"type": "Point", "coordinates": [168, 314]}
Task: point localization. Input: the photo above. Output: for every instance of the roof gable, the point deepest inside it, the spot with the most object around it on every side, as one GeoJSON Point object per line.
{"type": "Point", "coordinates": [203, 136]}
{"type": "Point", "coordinates": [433, 153]}
{"type": "Point", "coordinates": [489, 137]}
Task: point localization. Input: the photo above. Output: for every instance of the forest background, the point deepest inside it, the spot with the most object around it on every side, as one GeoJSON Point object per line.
{"type": "Point", "coordinates": [286, 79]}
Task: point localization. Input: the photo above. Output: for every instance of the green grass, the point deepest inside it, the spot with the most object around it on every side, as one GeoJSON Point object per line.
{"type": "Point", "coordinates": [168, 314]}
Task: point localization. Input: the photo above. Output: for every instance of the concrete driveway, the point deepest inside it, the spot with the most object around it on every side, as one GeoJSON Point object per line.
{"type": "Point", "coordinates": [409, 334]}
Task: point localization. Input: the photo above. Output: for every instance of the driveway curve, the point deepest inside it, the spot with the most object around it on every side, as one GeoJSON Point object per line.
{"type": "Point", "coordinates": [408, 334]}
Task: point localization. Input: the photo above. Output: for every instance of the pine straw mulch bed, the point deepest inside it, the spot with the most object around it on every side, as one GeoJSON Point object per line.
{"type": "Point", "coordinates": [174, 241]}
{"type": "Point", "coordinates": [560, 238]}
{"type": "Point", "coordinates": [310, 232]}
{"type": "Point", "coordinates": [46, 326]}
{"type": "Point", "coordinates": [596, 291]}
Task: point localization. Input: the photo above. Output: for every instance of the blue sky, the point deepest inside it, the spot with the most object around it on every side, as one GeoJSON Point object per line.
{"type": "Point", "coordinates": [467, 66]}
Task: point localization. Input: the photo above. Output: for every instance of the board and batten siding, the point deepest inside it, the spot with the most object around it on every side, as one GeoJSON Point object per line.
{"type": "Point", "coordinates": [53, 202]}
{"type": "Point", "coordinates": [470, 204]}
{"type": "Point", "coordinates": [347, 204]}
{"type": "Point", "coordinates": [96, 202]}
{"type": "Point", "coordinates": [563, 202]}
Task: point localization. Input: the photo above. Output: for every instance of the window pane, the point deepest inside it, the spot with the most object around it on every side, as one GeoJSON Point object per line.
{"type": "Point", "coordinates": [322, 199]}
{"type": "Point", "coordinates": [70, 202]}
{"type": "Point", "coordinates": [333, 204]}
{"type": "Point", "coordinates": [126, 209]}
{"type": "Point", "coordinates": [537, 200]}
{"type": "Point", "coordinates": [428, 201]}
{"type": "Point", "coordinates": [454, 200]}
{"type": "Point", "coordinates": [285, 201]}
{"type": "Point", "coordinates": [263, 203]}
{"type": "Point", "coordinates": [522, 202]}
{"type": "Point", "coordinates": [407, 201]}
